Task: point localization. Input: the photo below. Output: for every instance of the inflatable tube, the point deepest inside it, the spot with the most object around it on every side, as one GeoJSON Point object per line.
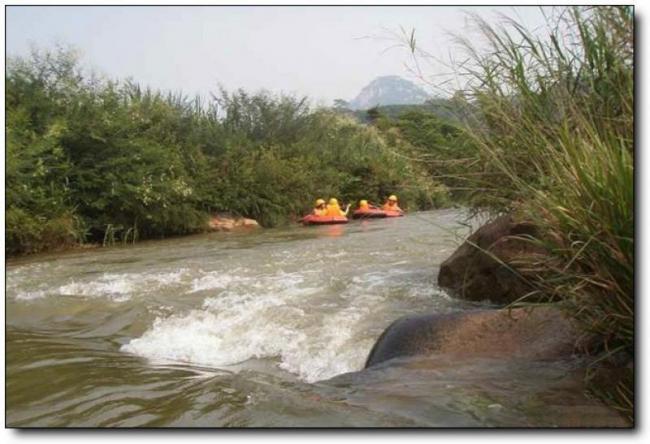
{"type": "Point", "coordinates": [393, 213]}
{"type": "Point", "coordinates": [368, 214]}
{"type": "Point", "coordinates": [312, 219]}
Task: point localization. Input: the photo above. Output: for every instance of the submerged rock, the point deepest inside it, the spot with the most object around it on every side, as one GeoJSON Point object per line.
{"type": "Point", "coordinates": [481, 268]}
{"type": "Point", "coordinates": [230, 223]}
{"type": "Point", "coordinates": [541, 333]}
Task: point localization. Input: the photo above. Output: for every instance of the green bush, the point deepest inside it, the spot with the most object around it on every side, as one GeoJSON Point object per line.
{"type": "Point", "coordinates": [26, 233]}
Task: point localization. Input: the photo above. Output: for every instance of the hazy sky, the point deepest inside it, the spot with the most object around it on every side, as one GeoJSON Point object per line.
{"type": "Point", "coordinates": [322, 52]}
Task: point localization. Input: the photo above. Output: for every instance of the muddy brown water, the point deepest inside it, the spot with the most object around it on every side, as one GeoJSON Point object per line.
{"type": "Point", "coordinates": [263, 329]}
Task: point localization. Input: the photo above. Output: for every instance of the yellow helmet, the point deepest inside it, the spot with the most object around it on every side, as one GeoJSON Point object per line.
{"type": "Point", "coordinates": [333, 201]}
{"type": "Point", "coordinates": [320, 202]}
{"type": "Point", "coordinates": [393, 197]}
{"type": "Point", "coordinates": [363, 203]}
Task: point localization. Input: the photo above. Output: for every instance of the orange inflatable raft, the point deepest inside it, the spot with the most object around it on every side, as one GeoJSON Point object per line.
{"type": "Point", "coordinates": [312, 219]}
{"type": "Point", "coordinates": [370, 213]}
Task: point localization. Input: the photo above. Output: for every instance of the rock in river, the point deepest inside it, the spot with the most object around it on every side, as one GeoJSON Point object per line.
{"type": "Point", "coordinates": [541, 333]}
{"type": "Point", "coordinates": [230, 223]}
{"type": "Point", "coordinates": [481, 268]}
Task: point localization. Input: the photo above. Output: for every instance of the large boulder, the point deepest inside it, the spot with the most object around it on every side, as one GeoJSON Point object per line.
{"type": "Point", "coordinates": [544, 332]}
{"type": "Point", "coordinates": [231, 223]}
{"type": "Point", "coordinates": [482, 267]}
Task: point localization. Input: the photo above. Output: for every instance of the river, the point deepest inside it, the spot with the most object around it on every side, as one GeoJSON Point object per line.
{"type": "Point", "coordinates": [263, 329]}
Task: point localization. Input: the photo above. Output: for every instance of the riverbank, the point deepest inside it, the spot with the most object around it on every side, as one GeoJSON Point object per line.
{"type": "Point", "coordinates": [553, 138]}
{"type": "Point", "coordinates": [506, 261]}
{"type": "Point", "coordinates": [216, 223]}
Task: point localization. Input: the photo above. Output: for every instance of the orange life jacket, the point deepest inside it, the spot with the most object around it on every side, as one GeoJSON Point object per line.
{"type": "Point", "coordinates": [334, 210]}
{"type": "Point", "coordinates": [391, 207]}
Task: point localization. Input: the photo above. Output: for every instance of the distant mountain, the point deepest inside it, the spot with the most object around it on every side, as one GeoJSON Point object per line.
{"type": "Point", "coordinates": [389, 90]}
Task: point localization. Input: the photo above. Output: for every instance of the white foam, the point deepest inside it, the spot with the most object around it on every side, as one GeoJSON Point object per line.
{"type": "Point", "coordinates": [119, 287]}
{"type": "Point", "coordinates": [277, 316]}
{"type": "Point", "coordinates": [222, 332]}
{"type": "Point", "coordinates": [212, 281]}
{"type": "Point", "coordinates": [229, 330]}
{"type": "Point", "coordinates": [114, 286]}
{"type": "Point", "coordinates": [31, 295]}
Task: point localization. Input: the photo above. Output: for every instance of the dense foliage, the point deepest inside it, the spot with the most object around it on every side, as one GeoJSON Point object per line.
{"type": "Point", "coordinates": [435, 141]}
{"type": "Point", "coordinates": [105, 161]}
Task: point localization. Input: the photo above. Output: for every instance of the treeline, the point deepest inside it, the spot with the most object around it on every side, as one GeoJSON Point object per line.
{"type": "Point", "coordinates": [91, 160]}
{"type": "Point", "coordinates": [447, 110]}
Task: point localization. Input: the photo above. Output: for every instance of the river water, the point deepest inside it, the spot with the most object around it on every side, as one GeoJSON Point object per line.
{"type": "Point", "coordinates": [263, 329]}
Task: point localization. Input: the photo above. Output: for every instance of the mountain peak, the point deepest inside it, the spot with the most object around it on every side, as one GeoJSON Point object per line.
{"type": "Point", "coordinates": [389, 90]}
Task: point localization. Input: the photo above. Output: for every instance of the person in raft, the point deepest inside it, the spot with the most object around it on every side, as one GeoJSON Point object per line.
{"type": "Point", "coordinates": [319, 208]}
{"type": "Point", "coordinates": [333, 208]}
{"type": "Point", "coordinates": [391, 204]}
{"type": "Point", "coordinates": [365, 206]}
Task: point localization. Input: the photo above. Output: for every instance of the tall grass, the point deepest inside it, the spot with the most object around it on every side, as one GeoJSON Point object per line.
{"type": "Point", "coordinates": [553, 128]}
